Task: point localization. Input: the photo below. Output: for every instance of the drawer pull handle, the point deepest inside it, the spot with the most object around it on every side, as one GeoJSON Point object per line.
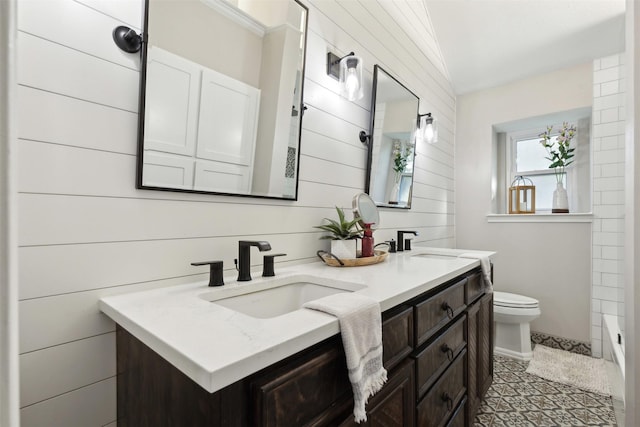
{"type": "Point", "coordinates": [446, 398]}
{"type": "Point", "coordinates": [446, 307]}
{"type": "Point", "coordinates": [446, 349]}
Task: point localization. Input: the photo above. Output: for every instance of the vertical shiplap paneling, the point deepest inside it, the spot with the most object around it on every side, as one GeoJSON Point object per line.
{"type": "Point", "coordinates": [86, 232]}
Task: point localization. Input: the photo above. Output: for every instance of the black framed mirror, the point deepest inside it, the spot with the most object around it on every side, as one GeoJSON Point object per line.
{"type": "Point", "coordinates": [391, 154]}
{"type": "Point", "coordinates": [221, 97]}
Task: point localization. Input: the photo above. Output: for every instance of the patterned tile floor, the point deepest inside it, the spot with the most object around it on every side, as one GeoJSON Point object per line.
{"type": "Point", "coordinates": [518, 399]}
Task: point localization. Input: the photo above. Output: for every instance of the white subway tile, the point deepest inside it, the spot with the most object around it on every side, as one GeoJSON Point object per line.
{"type": "Point", "coordinates": [596, 90]}
{"type": "Point", "coordinates": [607, 212]}
{"type": "Point", "coordinates": [610, 61]}
{"type": "Point", "coordinates": [608, 142]}
{"type": "Point", "coordinates": [595, 306]}
{"type": "Point", "coordinates": [612, 170]}
{"type": "Point", "coordinates": [608, 129]}
{"type": "Point", "coordinates": [596, 348]}
{"type": "Point", "coordinates": [614, 183]}
{"type": "Point", "coordinates": [609, 307]}
{"type": "Point", "coordinates": [605, 293]}
{"type": "Point", "coordinates": [613, 225]}
{"type": "Point", "coordinates": [596, 332]}
{"type": "Point", "coordinates": [612, 280]}
{"type": "Point", "coordinates": [596, 65]}
{"type": "Point", "coordinates": [609, 88]}
{"type": "Point", "coordinates": [606, 75]}
{"type": "Point", "coordinates": [609, 101]}
{"type": "Point", "coordinates": [609, 156]}
{"type": "Point", "coordinates": [596, 319]}
{"type": "Point", "coordinates": [609, 115]}
{"type": "Point", "coordinates": [611, 252]}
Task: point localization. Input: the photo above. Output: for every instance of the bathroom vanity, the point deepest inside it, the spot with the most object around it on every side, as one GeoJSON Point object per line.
{"type": "Point", "coordinates": [183, 360]}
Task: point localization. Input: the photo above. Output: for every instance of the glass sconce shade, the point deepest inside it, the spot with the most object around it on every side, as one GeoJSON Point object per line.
{"type": "Point", "coordinates": [522, 196]}
{"type": "Point", "coordinates": [351, 77]}
{"type": "Point", "coordinates": [427, 129]}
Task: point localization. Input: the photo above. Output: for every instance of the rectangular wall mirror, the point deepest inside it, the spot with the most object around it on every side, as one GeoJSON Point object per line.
{"type": "Point", "coordinates": [221, 97]}
{"type": "Point", "coordinates": [394, 112]}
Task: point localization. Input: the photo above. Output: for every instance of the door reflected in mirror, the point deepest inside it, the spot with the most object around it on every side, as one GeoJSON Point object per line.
{"type": "Point", "coordinates": [392, 142]}
{"type": "Point", "coordinates": [221, 102]}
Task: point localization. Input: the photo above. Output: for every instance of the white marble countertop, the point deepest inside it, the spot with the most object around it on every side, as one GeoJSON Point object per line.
{"type": "Point", "coordinates": [216, 346]}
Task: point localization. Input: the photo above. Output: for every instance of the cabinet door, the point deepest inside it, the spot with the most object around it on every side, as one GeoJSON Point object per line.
{"type": "Point", "coordinates": [474, 400]}
{"type": "Point", "coordinates": [394, 404]}
{"type": "Point", "coordinates": [313, 390]}
{"type": "Point", "coordinates": [480, 352]}
{"type": "Point", "coordinates": [485, 345]}
{"type": "Point", "coordinates": [173, 93]}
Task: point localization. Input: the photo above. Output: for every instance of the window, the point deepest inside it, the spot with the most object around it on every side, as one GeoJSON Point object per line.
{"type": "Point", "coordinates": [528, 159]}
{"type": "Point", "coordinates": [519, 152]}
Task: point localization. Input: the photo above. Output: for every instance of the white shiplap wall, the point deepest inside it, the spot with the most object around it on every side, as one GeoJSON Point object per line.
{"type": "Point", "coordinates": [85, 231]}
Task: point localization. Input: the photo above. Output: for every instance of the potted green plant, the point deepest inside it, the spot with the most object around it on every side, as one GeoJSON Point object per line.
{"type": "Point", "coordinates": [560, 155]}
{"type": "Point", "coordinates": [343, 235]}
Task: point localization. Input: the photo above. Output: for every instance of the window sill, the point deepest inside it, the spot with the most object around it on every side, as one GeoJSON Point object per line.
{"type": "Point", "coordinates": [541, 217]}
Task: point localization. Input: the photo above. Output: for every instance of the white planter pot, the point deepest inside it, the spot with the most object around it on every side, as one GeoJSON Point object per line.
{"type": "Point", "coordinates": [344, 249]}
{"type": "Point", "coordinates": [560, 200]}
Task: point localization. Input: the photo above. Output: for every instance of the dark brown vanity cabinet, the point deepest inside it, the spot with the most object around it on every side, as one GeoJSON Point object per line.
{"type": "Point", "coordinates": [437, 349]}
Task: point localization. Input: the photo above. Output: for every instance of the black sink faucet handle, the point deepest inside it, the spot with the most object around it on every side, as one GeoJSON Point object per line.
{"type": "Point", "coordinates": [401, 240]}
{"type": "Point", "coordinates": [267, 265]}
{"type": "Point", "coordinates": [215, 272]}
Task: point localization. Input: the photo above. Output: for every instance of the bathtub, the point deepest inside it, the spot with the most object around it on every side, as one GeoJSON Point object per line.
{"type": "Point", "coordinates": [613, 353]}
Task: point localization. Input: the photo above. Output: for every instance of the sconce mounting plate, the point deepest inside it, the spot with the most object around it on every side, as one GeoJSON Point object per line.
{"type": "Point", "coordinates": [127, 39]}
{"type": "Point", "coordinates": [333, 65]}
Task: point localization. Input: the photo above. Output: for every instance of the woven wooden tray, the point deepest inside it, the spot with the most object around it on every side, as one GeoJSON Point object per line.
{"type": "Point", "coordinates": [334, 261]}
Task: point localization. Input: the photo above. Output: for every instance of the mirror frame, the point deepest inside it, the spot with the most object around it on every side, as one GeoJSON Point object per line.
{"type": "Point", "coordinates": [367, 186]}
{"type": "Point", "coordinates": [141, 116]}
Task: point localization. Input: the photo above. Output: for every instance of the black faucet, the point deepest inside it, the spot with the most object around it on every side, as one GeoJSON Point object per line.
{"type": "Point", "coordinates": [401, 239]}
{"type": "Point", "coordinates": [244, 257]}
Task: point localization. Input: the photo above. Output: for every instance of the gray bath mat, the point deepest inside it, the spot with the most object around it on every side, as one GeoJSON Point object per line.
{"type": "Point", "coordinates": [576, 370]}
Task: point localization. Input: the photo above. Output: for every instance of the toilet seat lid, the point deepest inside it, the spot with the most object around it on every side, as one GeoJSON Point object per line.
{"type": "Point", "coordinates": [506, 299]}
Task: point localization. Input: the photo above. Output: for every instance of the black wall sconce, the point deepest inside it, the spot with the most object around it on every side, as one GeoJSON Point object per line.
{"type": "Point", "coordinates": [127, 39]}
{"type": "Point", "coordinates": [427, 130]}
{"type": "Point", "coordinates": [347, 70]}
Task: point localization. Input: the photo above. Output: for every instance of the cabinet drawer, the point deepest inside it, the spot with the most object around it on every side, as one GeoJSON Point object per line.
{"type": "Point", "coordinates": [434, 359]}
{"type": "Point", "coordinates": [459, 417]}
{"type": "Point", "coordinates": [309, 392]}
{"type": "Point", "coordinates": [397, 337]}
{"type": "Point", "coordinates": [440, 403]}
{"type": "Point", "coordinates": [437, 311]}
{"type": "Point", "coordinates": [475, 287]}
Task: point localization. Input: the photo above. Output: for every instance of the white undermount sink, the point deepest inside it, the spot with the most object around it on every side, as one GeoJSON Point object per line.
{"type": "Point", "coordinates": [271, 298]}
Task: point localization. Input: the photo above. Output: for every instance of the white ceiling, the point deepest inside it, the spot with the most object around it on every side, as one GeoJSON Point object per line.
{"type": "Point", "coordinates": [486, 43]}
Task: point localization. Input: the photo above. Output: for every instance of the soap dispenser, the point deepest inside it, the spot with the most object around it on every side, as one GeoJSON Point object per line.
{"type": "Point", "coordinates": [367, 241]}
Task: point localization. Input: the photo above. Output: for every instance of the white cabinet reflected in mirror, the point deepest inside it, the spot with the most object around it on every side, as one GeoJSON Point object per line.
{"type": "Point", "coordinates": [221, 99]}
{"type": "Point", "coordinates": [391, 142]}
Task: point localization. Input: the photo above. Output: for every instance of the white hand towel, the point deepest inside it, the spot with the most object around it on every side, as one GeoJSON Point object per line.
{"type": "Point", "coordinates": [485, 265]}
{"type": "Point", "coordinates": [361, 329]}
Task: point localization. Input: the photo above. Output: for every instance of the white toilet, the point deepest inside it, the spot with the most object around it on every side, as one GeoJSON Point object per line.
{"type": "Point", "coordinates": [512, 314]}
